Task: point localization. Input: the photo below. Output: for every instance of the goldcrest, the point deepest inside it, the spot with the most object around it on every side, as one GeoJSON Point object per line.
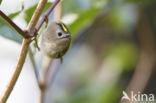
{"type": "Point", "coordinates": [55, 40]}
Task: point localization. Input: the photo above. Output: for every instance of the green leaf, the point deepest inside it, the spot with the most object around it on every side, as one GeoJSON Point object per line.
{"type": "Point", "coordinates": [108, 94]}
{"type": "Point", "coordinates": [9, 33]}
{"type": "Point", "coordinates": [85, 18]}
{"type": "Point", "coordinates": [14, 14]}
{"type": "Point", "coordinates": [126, 54]}
{"type": "Point", "coordinates": [0, 1]}
{"type": "Point", "coordinates": [2, 22]}
{"type": "Point", "coordinates": [29, 12]}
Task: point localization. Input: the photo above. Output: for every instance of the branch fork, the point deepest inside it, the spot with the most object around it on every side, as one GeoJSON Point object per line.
{"type": "Point", "coordinates": [27, 35]}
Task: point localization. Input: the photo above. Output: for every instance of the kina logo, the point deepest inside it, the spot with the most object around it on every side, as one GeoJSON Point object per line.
{"type": "Point", "coordinates": [138, 97]}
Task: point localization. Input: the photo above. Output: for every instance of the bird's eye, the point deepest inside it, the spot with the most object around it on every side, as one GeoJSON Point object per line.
{"type": "Point", "coordinates": [59, 34]}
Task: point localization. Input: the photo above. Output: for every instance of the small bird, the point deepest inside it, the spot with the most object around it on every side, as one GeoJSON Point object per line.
{"type": "Point", "coordinates": [55, 40]}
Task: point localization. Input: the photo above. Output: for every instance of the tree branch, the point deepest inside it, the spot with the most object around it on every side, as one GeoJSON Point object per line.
{"type": "Point", "coordinates": [35, 17]}
{"type": "Point", "coordinates": [17, 71]}
{"type": "Point", "coordinates": [42, 93]}
{"type": "Point", "coordinates": [39, 26]}
{"type": "Point", "coordinates": [31, 56]}
{"type": "Point", "coordinates": [147, 57]}
{"type": "Point", "coordinates": [23, 53]}
{"type": "Point", "coordinates": [26, 42]}
{"type": "Point", "coordinates": [35, 33]}
{"type": "Point", "coordinates": [47, 13]}
{"type": "Point", "coordinates": [51, 73]}
{"type": "Point", "coordinates": [13, 25]}
{"type": "Point", "coordinates": [58, 12]}
{"type": "Point", "coordinates": [46, 63]}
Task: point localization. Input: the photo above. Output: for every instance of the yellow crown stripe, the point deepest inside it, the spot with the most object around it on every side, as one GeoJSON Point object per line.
{"type": "Point", "coordinates": [64, 28]}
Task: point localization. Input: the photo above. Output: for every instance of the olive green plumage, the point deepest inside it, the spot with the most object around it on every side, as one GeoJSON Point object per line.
{"type": "Point", "coordinates": [55, 40]}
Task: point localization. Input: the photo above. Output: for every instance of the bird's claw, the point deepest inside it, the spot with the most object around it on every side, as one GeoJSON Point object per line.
{"type": "Point", "coordinates": [46, 20]}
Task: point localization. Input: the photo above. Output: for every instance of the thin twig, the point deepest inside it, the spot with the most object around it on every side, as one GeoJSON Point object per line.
{"type": "Point", "coordinates": [23, 53]}
{"type": "Point", "coordinates": [46, 60]}
{"type": "Point", "coordinates": [25, 44]}
{"type": "Point", "coordinates": [53, 68]}
{"type": "Point", "coordinates": [39, 26]}
{"type": "Point", "coordinates": [35, 17]}
{"type": "Point", "coordinates": [46, 63]}
{"type": "Point", "coordinates": [43, 81]}
{"type": "Point", "coordinates": [47, 13]}
{"type": "Point", "coordinates": [31, 56]}
{"type": "Point", "coordinates": [45, 68]}
{"type": "Point", "coordinates": [13, 25]}
{"type": "Point", "coordinates": [42, 93]}
{"type": "Point", "coordinates": [58, 12]}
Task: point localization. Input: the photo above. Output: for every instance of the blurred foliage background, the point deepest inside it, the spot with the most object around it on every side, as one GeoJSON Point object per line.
{"type": "Point", "coordinates": [113, 49]}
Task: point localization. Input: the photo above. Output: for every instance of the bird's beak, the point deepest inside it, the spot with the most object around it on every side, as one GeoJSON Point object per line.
{"type": "Point", "coordinates": [67, 36]}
